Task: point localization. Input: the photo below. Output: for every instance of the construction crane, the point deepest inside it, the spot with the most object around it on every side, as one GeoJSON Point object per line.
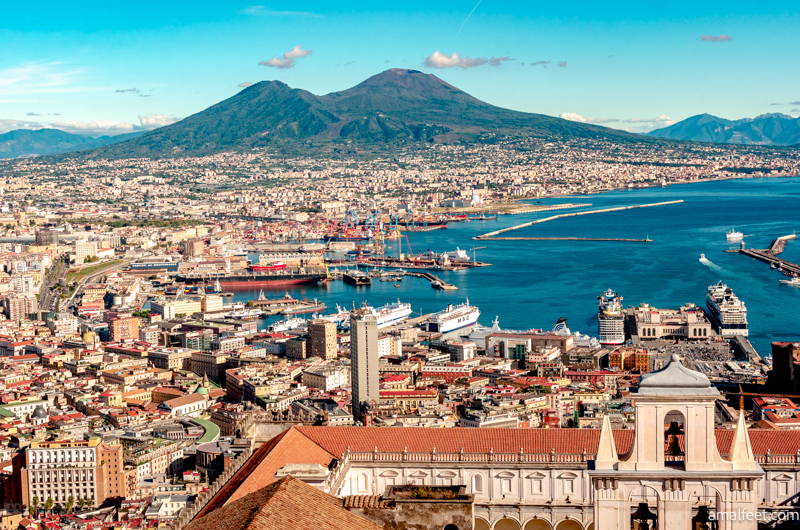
{"type": "Point", "coordinates": [741, 395]}
{"type": "Point", "coordinates": [473, 249]}
{"type": "Point", "coordinates": [408, 243]}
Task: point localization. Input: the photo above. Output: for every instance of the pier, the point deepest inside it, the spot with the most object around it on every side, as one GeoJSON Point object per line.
{"type": "Point", "coordinates": [436, 283]}
{"type": "Point", "coordinates": [493, 235]}
{"type": "Point", "coordinates": [769, 255]}
{"type": "Point", "coordinates": [648, 240]}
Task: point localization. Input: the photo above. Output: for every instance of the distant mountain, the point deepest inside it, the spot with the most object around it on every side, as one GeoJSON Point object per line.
{"type": "Point", "coordinates": [24, 142]}
{"type": "Point", "coordinates": [767, 129]}
{"type": "Point", "coordinates": [396, 106]}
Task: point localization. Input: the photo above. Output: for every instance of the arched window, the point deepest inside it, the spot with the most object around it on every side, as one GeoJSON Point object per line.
{"type": "Point", "coordinates": [363, 483]}
{"type": "Point", "coordinates": [450, 527]}
{"type": "Point", "coordinates": [477, 483]}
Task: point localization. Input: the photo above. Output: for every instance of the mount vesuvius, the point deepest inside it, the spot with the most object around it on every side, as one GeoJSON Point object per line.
{"type": "Point", "coordinates": [394, 107]}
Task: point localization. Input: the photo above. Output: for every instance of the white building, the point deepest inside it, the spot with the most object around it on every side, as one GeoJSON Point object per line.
{"type": "Point", "coordinates": [192, 405]}
{"type": "Point", "coordinates": [326, 378]}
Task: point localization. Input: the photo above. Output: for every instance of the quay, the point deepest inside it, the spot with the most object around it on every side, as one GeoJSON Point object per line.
{"type": "Point", "coordinates": [769, 255]}
{"type": "Point", "coordinates": [436, 283]}
{"type": "Point", "coordinates": [521, 210]}
{"type": "Point", "coordinates": [647, 240]}
{"type": "Point", "coordinates": [492, 235]}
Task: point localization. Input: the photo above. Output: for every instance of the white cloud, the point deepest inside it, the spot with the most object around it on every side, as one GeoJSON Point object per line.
{"type": "Point", "coordinates": [571, 116]}
{"type": "Point", "coordinates": [261, 11]}
{"type": "Point", "coordinates": [645, 125]}
{"type": "Point", "coordinates": [497, 61]}
{"type": "Point", "coordinates": [92, 128]}
{"type": "Point", "coordinates": [440, 60]}
{"type": "Point", "coordinates": [245, 84]}
{"type": "Point", "coordinates": [288, 59]}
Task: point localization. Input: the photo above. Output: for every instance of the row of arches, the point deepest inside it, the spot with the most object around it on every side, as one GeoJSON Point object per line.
{"type": "Point", "coordinates": [534, 524]}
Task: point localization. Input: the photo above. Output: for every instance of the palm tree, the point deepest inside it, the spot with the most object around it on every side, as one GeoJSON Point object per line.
{"type": "Point", "coordinates": [35, 504]}
{"type": "Point", "coordinates": [70, 502]}
{"type": "Point", "coordinates": [48, 504]}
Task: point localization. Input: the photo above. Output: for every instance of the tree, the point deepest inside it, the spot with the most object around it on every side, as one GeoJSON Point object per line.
{"type": "Point", "coordinates": [48, 504]}
{"type": "Point", "coordinates": [35, 503]}
{"type": "Point", "coordinates": [70, 502]}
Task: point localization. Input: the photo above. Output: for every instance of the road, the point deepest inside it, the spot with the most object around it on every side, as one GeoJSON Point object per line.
{"type": "Point", "coordinates": [48, 297]}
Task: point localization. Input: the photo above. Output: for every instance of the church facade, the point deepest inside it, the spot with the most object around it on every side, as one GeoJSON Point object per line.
{"type": "Point", "coordinates": [673, 471]}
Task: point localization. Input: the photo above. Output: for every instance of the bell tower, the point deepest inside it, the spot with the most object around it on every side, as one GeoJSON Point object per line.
{"type": "Point", "coordinates": [673, 472]}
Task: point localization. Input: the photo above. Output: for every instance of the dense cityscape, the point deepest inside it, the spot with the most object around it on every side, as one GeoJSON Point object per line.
{"type": "Point", "coordinates": [137, 394]}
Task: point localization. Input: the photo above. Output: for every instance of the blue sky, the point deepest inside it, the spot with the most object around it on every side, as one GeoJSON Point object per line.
{"type": "Point", "coordinates": [108, 68]}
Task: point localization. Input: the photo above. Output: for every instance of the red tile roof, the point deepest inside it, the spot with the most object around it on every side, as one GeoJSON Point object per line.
{"type": "Point", "coordinates": [288, 503]}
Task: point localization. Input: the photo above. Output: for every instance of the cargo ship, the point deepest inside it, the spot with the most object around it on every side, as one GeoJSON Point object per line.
{"type": "Point", "coordinates": [453, 318]}
{"type": "Point", "coordinates": [263, 278]}
{"type": "Point", "coordinates": [610, 318]}
{"type": "Point", "coordinates": [727, 313]}
{"type": "Point", "coordinates": [356, 277]}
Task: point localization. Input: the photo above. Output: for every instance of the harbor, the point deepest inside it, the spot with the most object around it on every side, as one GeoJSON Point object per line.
{"type": "Point", "coordinates": [770, 255]}
{"type": "Point", "coordinates": [493, 235]}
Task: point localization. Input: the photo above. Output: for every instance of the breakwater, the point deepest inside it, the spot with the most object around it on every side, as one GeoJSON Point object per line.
{"type": "Point", "coordinates": [495, 233]}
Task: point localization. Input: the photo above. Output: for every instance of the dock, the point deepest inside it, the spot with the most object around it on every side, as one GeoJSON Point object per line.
{"type": "Point", "coordinates": [436, 283]}
{"type": "Point", "coordinates": [493, 235]}
{"type": "Point", "coordinates": [648, 240]}
{"type": "Point", "coordinates": [770, 255]}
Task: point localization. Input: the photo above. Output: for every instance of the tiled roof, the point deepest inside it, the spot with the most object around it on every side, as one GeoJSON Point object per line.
{"type": "Point", "coordinates": [367, 501]}
{"type": "Point", "coordinates": [288, 503]}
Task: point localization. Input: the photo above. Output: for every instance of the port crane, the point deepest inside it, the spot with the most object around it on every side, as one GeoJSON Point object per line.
{"type": "Point", "coordinates": [742, 394]}
{"type": "Point", "coordinates": [473, 249]}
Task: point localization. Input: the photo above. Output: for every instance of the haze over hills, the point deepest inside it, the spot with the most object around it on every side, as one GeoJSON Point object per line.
{"type": "Point", "coordinates": [393, 107]}
{"type": "Point", "coordinates": [767, 129]}
{"type": "Point", "coordinates": [24, 142]}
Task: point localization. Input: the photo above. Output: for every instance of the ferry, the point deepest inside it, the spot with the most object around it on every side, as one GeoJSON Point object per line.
{"type": "Point", "coordinates": [733, 235]}
{"type": "Point", "coordinates": [287, 325]}
{"type": "Point", "coordinates": [794, 281]}
{"type": "Point", "coordinates": [610, 318]}
{"type": "Point", "coordinates": [727, 313]}
{"type": "Point", "coordinates": [453, 318]}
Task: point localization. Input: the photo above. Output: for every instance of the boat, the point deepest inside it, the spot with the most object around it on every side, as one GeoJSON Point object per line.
{"type": "Point", "coordinates": [310, 306]}
{"type": "Point", "coordinates": [267, 266]}
{"type": "Point", "coordinates": [702, 257]}
{"type": "Point", "coordinates": [457, 255]}
{"type": "Point", "coordinates": [263, 278]}
{"type": "Point", "coordinates": [794, 281]}
{"type": "Point", "coordinates": [727, 313]}
{"type": "Point", "coordinates": [287, 325]}
{"type": "Point", "coordinates": [245, 314]}
{"type": "Point", "coordinates": [453, 318]}
{"type": "Point", "coordinates": [610, 318]}
{"type": "Point", "coordinates": [397, 285]}
{"type": "Point", "coordinates": [357, 277]}
{"type": "Point", "coordinates": [773, 266]}
{"type": "Point", "coordinates": [733, 235]}
{"type": "Point", "coordinates": [578, 339]}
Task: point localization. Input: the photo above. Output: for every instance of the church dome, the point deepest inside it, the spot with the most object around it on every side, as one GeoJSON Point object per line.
{"type": "Point", "coordinates": [39, 413]}
{"type": "Point", "coordinates": [202, 390]}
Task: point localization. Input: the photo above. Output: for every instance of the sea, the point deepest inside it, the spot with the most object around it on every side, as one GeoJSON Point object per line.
{"type": "Point", "coordinates": [531, 284]}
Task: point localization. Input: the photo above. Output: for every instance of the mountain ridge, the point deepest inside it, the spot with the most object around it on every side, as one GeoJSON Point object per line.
{"type": "Point", "coordinates": [50, 141]}
{"type": "Point", "coordinates": [394, 107]}
{"type": "Point", "coordinates": [773, 129]}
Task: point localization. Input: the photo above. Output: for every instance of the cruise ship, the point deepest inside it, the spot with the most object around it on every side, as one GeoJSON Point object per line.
{"type": "Point", "coordinates": [611, 319]}
{"type": "Point", "coordinates": [453, 318]}
{"type": "Point", "coordinates": [728, 314]}
{"type": "Point", "coordinates": [387, 315]}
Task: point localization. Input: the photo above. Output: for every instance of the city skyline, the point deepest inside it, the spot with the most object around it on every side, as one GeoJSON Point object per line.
{"type": "Point", "coordinates": [116, 70]}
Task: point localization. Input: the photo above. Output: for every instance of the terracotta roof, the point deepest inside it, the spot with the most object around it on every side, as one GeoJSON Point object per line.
{"type": "Point", "coordinates": [288, 503]}
{"type": "Point", "coordinates": [367, 501]}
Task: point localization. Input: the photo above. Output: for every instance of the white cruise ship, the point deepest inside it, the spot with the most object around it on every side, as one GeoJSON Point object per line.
{"type": "Point", "coordinates": [453, 318]}
{"type": "Point", "coordinates": [387, 315]}
{"type": "Point", "coordinates": [610, 318]}
{"type": "Point", "coordinates": [584, 341]}
{"type": "Point", "coordinates": [733, 235]}
{"type": "Point", "coordinates": [728, 314]}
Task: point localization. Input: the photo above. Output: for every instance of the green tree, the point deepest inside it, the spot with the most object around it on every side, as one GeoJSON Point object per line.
{"type": "Point", "coordinates": [48, 504]}
{"type": "Point", "coordinates": [35, 503]}
{"type": "Point", "coordinates": [70, 502]}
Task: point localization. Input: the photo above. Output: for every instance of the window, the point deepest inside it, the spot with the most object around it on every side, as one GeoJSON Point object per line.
{"type": "Point", "coordinates": [505, 485]}
{"type": "Point", "coordinates": [477, 483]}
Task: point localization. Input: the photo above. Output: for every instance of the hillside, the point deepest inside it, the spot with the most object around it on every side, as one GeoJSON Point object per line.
{"type": "Point", "coordinates": [394, 107]}
{"type": "Point", "coordinates": [24, 142]}
{"type": "Point", "coordinates": [767, 129]}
